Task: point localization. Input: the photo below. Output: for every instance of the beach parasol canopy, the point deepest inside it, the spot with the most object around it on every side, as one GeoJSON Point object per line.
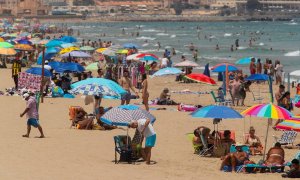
{"type": "Point", "coordinates": [68, 39]}
{"type": "Point", "coordinates": [245, 61]}
{"type": "Point", "coordinates": [78, 54]}
{"type": "Point", "coordinates": [123, 115]}
{"type": "Point", "coordinates": [1, 39]}
{"type": "Point", "coordinates": [52, 50]}
{"type": "Point", "coordinates": [130, 46]}
{"type": "Point", "coordinates": [201, 78]}
{"type": "Point", "coordinates": [186, 64]}
{"type": "Point", "coordinates": [109, 52]}
{"type": "Point", "coordinates": [103, 82]}
{"type": "Point", "coordinates": [295, 73]}
{"type": "Point", "coordinates": [223, 67]}
{"type": "Point", "coordinates": [167, 71]}
{"type": "Point", "coordinates": [268, 111]}
{"type": "Point", "coordinates": [87, 48]}
{"type": "Point", "coordinates": [100, 50]}
{"type": "Point", "coordinates": [122, 51]}
{"type": "Point", "coordinates": [289, 125]}
{"type": "Point", "coordinates": [92, 67]}
{"type": "Point", "coordinates": [213, 111]}
{"type": "Point", "coordinates": [69, 49]}
{"type": "Point", "coordinates": [69, 67]}
{"type": "Point", "coordinates": [24, 41]}
{"type": "Point", "coordinates": [6, 45]}
{"type": "Point", "coordinates": [67, 45]}
{"type": "Point", "coordinates": [143, 55]}
{"type": "Point", "coordinates": [7, 51]}
{"type": "Point", "coordinates": [23, 47]}
{"type": "Point", "coordinates": [53, 43]}
{"type": "Point", "coordinates": [38, 71]}
{"type": "Point", "coordinates": [257, 77]}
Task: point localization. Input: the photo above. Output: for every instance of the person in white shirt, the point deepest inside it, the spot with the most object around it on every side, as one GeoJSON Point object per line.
{"type": "Point", "coordinates": [46, 66]}
{"type": "Point", "coordinates": [145, 127]}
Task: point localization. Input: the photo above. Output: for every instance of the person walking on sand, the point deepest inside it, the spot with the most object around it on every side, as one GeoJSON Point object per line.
{"type": "Point", "coordinates": [126, 84]}
{"type": "Point", "coordinates": [32, 114]}
{"type": "Point", "coordinates": [16, 69]}
{"type": "Point", "coordinates": [146, 129]}
{"type": "Point", "coordinates": [145, 93]}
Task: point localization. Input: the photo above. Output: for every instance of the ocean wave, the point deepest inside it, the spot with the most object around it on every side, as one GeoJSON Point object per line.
{"type": "Point", "coordinates": [150, 30]}
{"type": "Point", "coordinates": [293, 53]}
{"type": "Point", "coordinates": [292, 24]}
{"type": "Point", "coordinates": [144, 45]}
{"type": "Point", "coordinates": [173, 36]}
{"type": "Point", "coordinates": [162, 34]}
{"type": "Point", "coordinates": [146, 38]}
{"type": "Point", "coordinates": [218, 58]}
{"type": "Point", "coordinates": [227, 34]}
{"type": "Point", "coordinates": [242, 48]}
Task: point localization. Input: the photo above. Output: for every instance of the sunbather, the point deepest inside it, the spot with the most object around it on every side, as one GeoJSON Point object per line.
{"type": "Point", "coordinates": [295, 170]}
{"type": "Point", "coordinates": [235, 159]}
{"type": "Point", "coordinates": [83, 121]}
{"type": "Point", "coordinates": [164, 98]}
{"type": "Point", "coordinates": [227, 141]}
{"type": "Point", "coordinates": [275, 155]}
{"type": "Point", "coordinates": [254, 143]}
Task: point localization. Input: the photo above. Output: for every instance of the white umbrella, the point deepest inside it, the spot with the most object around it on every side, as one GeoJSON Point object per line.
{"type": "Point", "coordinates": [295, 73]}
{"type": "Point", "coordinates": [186, 64]}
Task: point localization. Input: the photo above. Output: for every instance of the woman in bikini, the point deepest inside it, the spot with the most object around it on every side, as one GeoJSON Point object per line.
{"type": "Point", "coordinates": [275, 155]}
{"type": "Point", "coordinates": [254, 143]}
{"type": "Point", "coordinates": [145, 93]}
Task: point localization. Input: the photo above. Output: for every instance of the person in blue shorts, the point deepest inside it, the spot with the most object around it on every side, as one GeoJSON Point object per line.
{"type": "Point", "coordinates": [145, 127]}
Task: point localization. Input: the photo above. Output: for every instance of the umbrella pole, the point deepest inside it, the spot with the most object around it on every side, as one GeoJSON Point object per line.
{"type": "Point", "coordinates": [127, 139]}
{"type": "Point", "coordinates": [43, 74]}
{"type": "Point", "coordinates": [266, 139]}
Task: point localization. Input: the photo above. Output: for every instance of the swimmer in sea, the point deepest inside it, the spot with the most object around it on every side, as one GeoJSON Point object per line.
{"type": "Point", "coordinates": [217, 47]}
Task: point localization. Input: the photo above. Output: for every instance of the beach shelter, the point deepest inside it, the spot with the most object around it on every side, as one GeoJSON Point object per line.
{"type": "Point", "coordinates": [269, 111]}
{"type": "Point", "coordinates": [257, 77]}
{"type": "Point", "coordinates": [201, 78]}
{"type": "Point", "coordinates": [69, 49]}
{"type": "Point", "coordinates": [38, 71]}
{"type": "Point", "coordinates": [109, 52]}
{"type": "Point", "coordinates": [103, 82]}
{"type": "Point", "coordinates": [295, 73]}
{"type": "Point", "coordinates": [167, 71]}
{"type": "Point", "coordinates": [24, 41]}
{"type": "Point", "coordinates": [122, 51]}
{"type": "Point", "coordinates": [124, 114]}
{"type": "Point", "coordinates": [100, 50]}
{"type": "Point", "coordinates": [23, 47]}
{"type": "Point", "coordinates": [206, 70]}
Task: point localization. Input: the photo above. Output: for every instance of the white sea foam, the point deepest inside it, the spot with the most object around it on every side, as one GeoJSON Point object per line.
{"type": "Point", "coordinates": [144, 45]}
{"type": "Point", "coordinates": [241, 48]}
{"type": "Point", "coordinates": [227, 34]}
{"type": "Point", "coordinates": [146, 38]}
{"type": "Point", "coordinates": [150, 30]}
{"type": "Point", "coordinates": [293, 53]}
{"type": "Point", "coordinates": [173, 36]}
{"type": "Point", "coordinates": [162, 34]}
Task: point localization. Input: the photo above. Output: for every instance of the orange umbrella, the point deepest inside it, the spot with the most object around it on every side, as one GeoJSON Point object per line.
{"type": "Point", "coordinates": [7, 51]}
{"type": "Point", "coordinates": [24, 47]}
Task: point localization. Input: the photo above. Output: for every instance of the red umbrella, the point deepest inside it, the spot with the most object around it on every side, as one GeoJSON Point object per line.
{"type": "Point", "coordinates": [201, 78]}
{"type": "Point", "coordinates": [146, 54]}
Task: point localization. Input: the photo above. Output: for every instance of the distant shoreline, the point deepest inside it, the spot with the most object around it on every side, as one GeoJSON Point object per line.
{"type": "Point", "coordinates": [162, 18]}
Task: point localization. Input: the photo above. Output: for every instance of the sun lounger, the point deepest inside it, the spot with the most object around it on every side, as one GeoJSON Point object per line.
{"type": "Point", "coordinates": [251, 168]}
{"type": "Point", "coordinates": [287, 138]}
{"type": "Point", "coordinates": [123, 148]}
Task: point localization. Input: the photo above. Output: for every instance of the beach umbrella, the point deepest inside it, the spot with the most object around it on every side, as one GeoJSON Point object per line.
{"type": "Point", "coordinates": [295, 73]}
{"type": "Point", "coordinates": [67, 45]}
{"type": "Point", "coordinates": [87, 48]}
{"type": "Point", "coordinates": [68, 39]}
{"type": "Point", "coordinates": [24, 41]}
{"type": "Point", "coordinates": [201, 78]}
{"type": "Point", "coordinates": [257, 77]}
{"type": "Point", "coordinates": [52, 50]}
{"type": "Point", "coordinates": [6, 45]}
{"type": "Point", "coordinates": [244, 61]}
{"type": "Point", "coordinates": [78, 54]}
{"type": "Point", "coordinates": [143, 55]}
{"type": "Point", "coordinates": [7, 51]}
{"type": "Point", "coordinates": [269, 111]}
{"type": "Point", "coordinates": [186, 64]}
{"type": "Point", "coordinates": [96, 90]}
{"type": "Point", "coordinates": [130, 45]}
{"type": "Point", "coordinates": [1, 39]}
{"type": "Point", "coordinates": [289, 125]}
{"type": "Point", "coordinates": [122, 51]}
{"type": "Point", "coordinates": [38, 71]}
{"type": "Point", "coordinates": [69, 49]}
{"type": "Point", "coordinates": [109, 52]}
{"type": "Point", "coordinates": [213, 111]}
{"type": "Point", "coordinates": [92, 67]}
{"type": "Point", "coordinates": [103, 82]}
{"type": "Point", "coordinates": [54, 43]}
{"type": "Point", "coordinates": [69, 67]}
{"type": "Point", "coordinates": [100, 50]}
{"type": "Point", "coordinates": [167, 71]}
{"type": "Point", "coordinates": [223, 67]}
{"type": "Point", "coordinates": [139, 57]}
{"type": "Point", "coordinates": [24, 47]}
{"type": "Point", "coordinates": [47, 56]}
{"type": "Point", "coordinates": [123, 115]}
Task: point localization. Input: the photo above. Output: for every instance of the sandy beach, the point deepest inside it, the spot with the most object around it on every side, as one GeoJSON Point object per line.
{"type": "Point", "coordinates": [78, 154]}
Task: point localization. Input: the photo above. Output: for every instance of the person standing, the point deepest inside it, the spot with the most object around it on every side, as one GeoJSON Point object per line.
{"type": "Point", "coordinates": [32, 114]}
{"type": "Point", "coordinates": [278, 72]}
{"type": "Point", "coordinates": [195, 55]}
{"type": "Point", "coordinates": [258, 67]}
{"type": "Point", "coordinates": [126, 84]}
{"type": "Point", "coordinates": [252, 66]}
{"type": "Point", "coordinates": [145, 127]}
{"type": "Point", "coordinates": [16, 69]}
{"type": "Point", "coordinates": [266, 67]}
{"type": "Point", "coordinates": [145, 93]}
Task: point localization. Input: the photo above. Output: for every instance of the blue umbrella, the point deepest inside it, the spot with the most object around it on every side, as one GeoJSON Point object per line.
{"type": "Point", "coordinates": [103, 82]}
{"type": "Point", "coordinates": [70, 67]}
{"type": "Point", "coordinates": [24, 41]}
{"type": "Point", "coordinates": [94, 89]}
{"type": "Point", "coordinates": [67, 45]}
{"type": "Point", "coordinates": [148, 58]}
{"type": "Point", "coordinates": [167, 71]}
{"type": "Point", "coordinates": [38, 71]}
{"type": "Point", "coordinates": [222, 68]}
{"type": "Point", "coordinates": [123, 115]}
{"type": "Point", "coordinates": [130, 45]}
{"type": "Point", "coordinates": [54, 43]}
{"type": "Point", "coordinates": [258, 77]}
{"type": "Point", "coordinates": [78, 54]}
{"type": "Point", "coordinates": [246, 60]}
{"type": "Point", "coordinates": [220, 112]}
{"type": "Point", "coordinates": [52, 50]}
{"type": "Point", "coordinates": [48, 56]}
{"type": "Point", "coordinates": [68, 39]}
{"type": "Point", "coordinates": [206, 70]}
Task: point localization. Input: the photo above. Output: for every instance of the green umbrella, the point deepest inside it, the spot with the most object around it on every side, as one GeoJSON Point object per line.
{"type": "Point", "coordinates": [87, 48]}
{"type": "Point", "coordinates": [6, 45]}
{"type": "Point", "coordinates": [92, 67]}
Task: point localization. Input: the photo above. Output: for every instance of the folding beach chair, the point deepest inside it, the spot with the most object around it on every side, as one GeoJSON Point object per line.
{"type": "Point", "coordinates": [256, 98]}
{"type": "Point", "coordinates": [287, 138]}
{"type": "Point", "coordinates": [123, 148]}
{"type": "Point", "coordinates": [220, 101]}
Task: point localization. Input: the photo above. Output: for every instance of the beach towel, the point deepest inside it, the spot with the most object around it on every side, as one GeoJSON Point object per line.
{"type": "Point", "coordinates": [187, 107]}
{"type": "Point", "coordinates": [189, 92]}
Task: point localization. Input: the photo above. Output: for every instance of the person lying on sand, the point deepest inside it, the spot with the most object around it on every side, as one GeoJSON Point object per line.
{"type": "Point", "coordinates": [235, 159]}
{"type": "Point", "coordinates": [275, 155]}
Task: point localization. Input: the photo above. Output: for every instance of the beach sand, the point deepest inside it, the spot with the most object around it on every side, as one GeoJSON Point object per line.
{"type": "Point", "coordinates": [78, 154]}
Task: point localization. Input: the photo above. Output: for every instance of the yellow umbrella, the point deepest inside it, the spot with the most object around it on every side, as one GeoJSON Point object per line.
{"type": "Point", "coordinates": [122, 51]}
{"type": "Point", "coordinates": [24, 47]}
{"type": "Point", "coordinates": [100, 50]}
{"type": "Point", "coordinates": [69, 49]}
{"type": "Point", "coordinates": [1, 39]}
{"type": "Point", "coordinates": [7, 51]}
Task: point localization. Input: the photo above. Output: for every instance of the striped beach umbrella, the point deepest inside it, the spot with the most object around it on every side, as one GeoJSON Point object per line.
{"type": "Point", "coordinates": [268, 111]}
{"type": "Point", "coordinates": [289, 125]}
{"type": "Point", "coordinates": [123, 115]}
